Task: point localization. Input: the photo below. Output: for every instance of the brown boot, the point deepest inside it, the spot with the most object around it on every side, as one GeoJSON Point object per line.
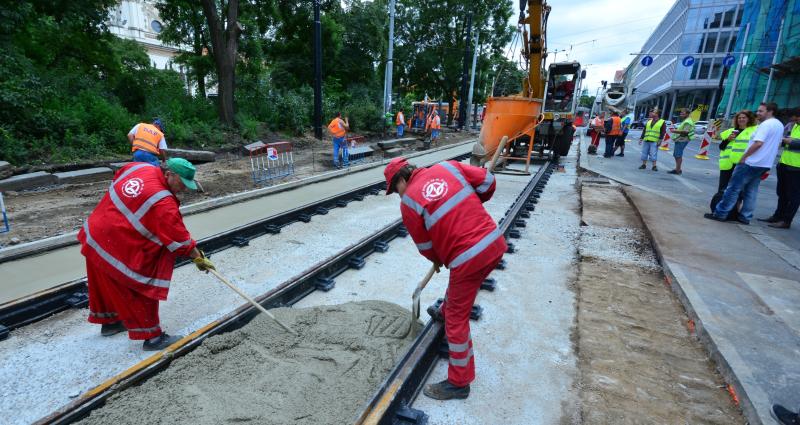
{"type": "Point", "coordinates": [780, 225]}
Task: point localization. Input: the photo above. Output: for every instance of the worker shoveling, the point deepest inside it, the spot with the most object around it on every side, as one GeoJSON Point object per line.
{"type": "Point", "coordinates": [262, 374]}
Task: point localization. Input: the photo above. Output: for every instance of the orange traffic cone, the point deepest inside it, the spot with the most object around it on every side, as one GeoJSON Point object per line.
{"type": "Point", "coordinates": [703, 154]}
{"type": "Point", "coordinates": [665, 145]}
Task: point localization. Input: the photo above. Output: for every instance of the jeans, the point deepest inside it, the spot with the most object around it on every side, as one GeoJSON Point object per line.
{"type": "Point", "coordinates": [650, 151]}
{"type": "Point", "coordinates": [340, 143]}
{"type": "Point", "coordinates": [144, 156]}
{"type": "Point", "coordinates": [610, 143]}
{"type": "Point", "coordinates": [434, 134]}
{"type": "Point", "coordinates": [679, 147]}
{"type": "Point", "coordinates": [788, 191]}
{"type": "Point", "coordinates": [400, 129]}
{"type": "Point", "coordinates": [745, 180]}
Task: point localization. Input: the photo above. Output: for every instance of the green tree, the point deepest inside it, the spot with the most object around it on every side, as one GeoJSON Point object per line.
{"type": "Point", "coordinates": [586, 101]}
{"type": "Point", "coordinates": [186, 28]}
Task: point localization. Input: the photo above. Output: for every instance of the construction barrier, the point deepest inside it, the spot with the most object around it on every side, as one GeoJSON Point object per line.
{"type": "Point", "coordinates": [703, 154]}
{"type": "Point", "coordinates": [270, 161]}
{"type": "Point", "coordinates": [6, 226]}
{"type": "Point", "coordinates": [665, 144]}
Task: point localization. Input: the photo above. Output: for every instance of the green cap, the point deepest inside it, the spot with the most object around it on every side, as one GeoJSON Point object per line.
{"type": "Point", "coordinates": [184, 169]}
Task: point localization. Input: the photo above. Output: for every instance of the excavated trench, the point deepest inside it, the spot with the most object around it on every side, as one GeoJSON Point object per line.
{"type": "Point", "coordinates": [261, 374]}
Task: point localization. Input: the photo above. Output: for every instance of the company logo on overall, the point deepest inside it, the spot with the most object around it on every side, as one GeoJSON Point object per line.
{"type": "Point", "coordinates": [133, 187]}
{"type": "Point", "coordinates": [434, 189]}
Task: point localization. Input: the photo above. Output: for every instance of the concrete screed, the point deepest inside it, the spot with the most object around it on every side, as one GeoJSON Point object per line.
{"type": "Point", "coordinates": [525, 366]}
{"type": "Point", "coordinates": [262, 374]}
{"type": "Point", "coordinates": [61, 357]}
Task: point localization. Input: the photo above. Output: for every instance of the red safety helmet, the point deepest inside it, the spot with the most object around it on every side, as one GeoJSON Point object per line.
{"type": "Point", "coordinates": [391, 169]}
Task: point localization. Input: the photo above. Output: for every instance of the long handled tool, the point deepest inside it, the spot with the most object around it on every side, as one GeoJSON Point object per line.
{"type": "Point", "coordinates": [424, 282]}
{"type": "Point", "coordinates": [251, 301]}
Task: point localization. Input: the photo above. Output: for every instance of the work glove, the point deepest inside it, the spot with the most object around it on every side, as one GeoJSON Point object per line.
{"type": "Point", "coordinates": [203, 263]}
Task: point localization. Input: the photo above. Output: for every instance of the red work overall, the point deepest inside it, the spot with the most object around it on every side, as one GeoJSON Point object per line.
{"type": "Point", "coordinates": [130, 242]}
{"type": "Point", "coordinates": [442, 209]}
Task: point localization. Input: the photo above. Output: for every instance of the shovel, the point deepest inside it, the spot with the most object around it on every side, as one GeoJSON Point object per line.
{"type": "Point", "coordinates": [251, 301]}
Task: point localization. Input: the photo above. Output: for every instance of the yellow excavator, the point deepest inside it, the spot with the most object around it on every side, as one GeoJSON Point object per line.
{"type": "Point", "coordinates": [538, 121]}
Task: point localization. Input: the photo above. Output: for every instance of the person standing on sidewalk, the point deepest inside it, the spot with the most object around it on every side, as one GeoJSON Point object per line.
{"type": "Point", "coordinates": [685, 133]}
{"type": "Point", "coordinates": [625, 123]}
{"type": "Point", "coordinates": [788, 171]}
{"type": "Point", "coordinates": [338, 128]}
{"type": "Point", "coordinates": [613, 128]}
{"type": "Point", "coordinates": [653, 134]}
{"type": "Point", "coordinates": [733, 144]}
{"type": "Point", "coordinates": [757, 160]}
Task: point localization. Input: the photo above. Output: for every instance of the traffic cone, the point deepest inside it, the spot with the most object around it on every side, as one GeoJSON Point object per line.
{"type": "Point", "coordinates": [704, 146]}
{"type": "Point", "coordinates": [665, 145]}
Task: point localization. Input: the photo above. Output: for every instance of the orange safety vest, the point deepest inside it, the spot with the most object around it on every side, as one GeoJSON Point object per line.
{"type": "Point", "coordinates": [436, 123]}
{"type": "Point", "coordinates": [147, 138]}
{"type": "Point", "coordinates": [336, 128]}
{"type": "Point", "coordinates": [616, 129]}
{"type": "Point", "coordinates": [400, 120]}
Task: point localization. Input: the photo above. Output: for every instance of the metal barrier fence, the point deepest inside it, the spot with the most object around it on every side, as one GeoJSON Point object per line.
{"type": "Point", "coordinates": [270, 161]}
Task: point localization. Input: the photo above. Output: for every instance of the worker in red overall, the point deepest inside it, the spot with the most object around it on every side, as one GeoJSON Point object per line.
{"type": "Point", "coordinates": [442, 208]}
{"type": "Point", "coordinates": [130, 242]}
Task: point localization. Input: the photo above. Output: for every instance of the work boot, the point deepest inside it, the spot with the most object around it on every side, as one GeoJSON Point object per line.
{"type": "Point", "coordinates": [784, 416]}
{"type": "Point", "coordinates": [655, 168]}
{"type": "Point", "coordinates": [642, 167]}
{"type": "Point", "coordinates": [780, 225]}
{"type": "Point", "coordinates": [160, 342]}
{"type": "Point", "coordinates": [713, 217]}
{"type": "Point", "coordinates": [621, 154]}
{"type": "Point", "coordinates": [112, 329]}
{"type": "Point", "coordinates": [435, 313]}
{"type": "Point", "coordinates": [445, 391]}
{"type": "Point", "coordinates": [770, 219]}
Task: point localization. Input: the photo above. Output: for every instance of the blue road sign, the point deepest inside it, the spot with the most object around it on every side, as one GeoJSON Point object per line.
{"type": "Point", "coordinates": [647, 61]}
{"type": "Point", "coordinates": [688, 61]}
{"type": "Point", "coordinates": [728, 60]}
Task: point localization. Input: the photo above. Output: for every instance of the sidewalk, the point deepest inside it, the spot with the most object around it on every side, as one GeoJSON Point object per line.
{"type": "Point", "coordinates": [743, 298]}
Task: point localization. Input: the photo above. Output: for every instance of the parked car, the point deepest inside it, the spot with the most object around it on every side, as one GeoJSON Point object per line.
{"type": "Point", "coordinates": [700, 127]}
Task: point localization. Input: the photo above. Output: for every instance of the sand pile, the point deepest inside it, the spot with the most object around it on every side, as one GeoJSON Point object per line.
{"type": "Point", "coordinates": [260, 374]}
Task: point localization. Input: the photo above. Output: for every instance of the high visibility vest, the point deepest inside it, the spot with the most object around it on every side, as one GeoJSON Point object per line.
{"type": "Point", "coordinates": [792, 158]}
{"type": "Point", "coordinates": [725, 154]}
{"type": "Point", "coordinates": [436, 123]}
{"type": "Point", "coordinates": [652, 133]}
{"type": "Point", "coordinates": [400, 120]}
{"type": "Point", "coordinates": [616, 129]}
{"type": "Point", "coordinates": [738, 146]}
{"type": "Point", "coordinates": [147, 138]}
{"type": "Point", "coordinates": [687, 123]}
{"type": "Point", "coordinates": [336, 127]}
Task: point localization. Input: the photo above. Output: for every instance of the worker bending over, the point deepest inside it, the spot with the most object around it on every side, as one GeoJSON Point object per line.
{"type": "Point", "coordinates": [338, 128]}
{"type": "Point", "coordinates": [400, 122]}
{"type": "Point", "coordinates": [130, 242]}
{"type": "Point", "coordinates": [442, 208]}
{"type": "Point", "coordinates": [148, 143]}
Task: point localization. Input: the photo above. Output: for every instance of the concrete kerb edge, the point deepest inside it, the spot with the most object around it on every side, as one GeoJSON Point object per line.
{"type": "Point", "coordinates": [705, 338]}
{"type": "Point", "coordinates": [60, 241]}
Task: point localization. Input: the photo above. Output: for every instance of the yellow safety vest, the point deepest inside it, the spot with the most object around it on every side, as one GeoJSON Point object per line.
{"type": "Point", "coordinates": [736, 148]}
{"type": "Point", "coordinates": [652, 133]}
{"type": "Point", "coordinates": [725, 154]}
{"type": "Point", "coordinates": [792, 158]}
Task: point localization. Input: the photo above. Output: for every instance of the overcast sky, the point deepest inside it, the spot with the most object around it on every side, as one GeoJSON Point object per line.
{"type": "Point", "coordinates": [619, 27]}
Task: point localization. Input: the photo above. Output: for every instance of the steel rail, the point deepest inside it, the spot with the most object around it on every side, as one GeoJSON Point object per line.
{"type": "Point", "coordinates": [74, 294]}
{"type": "Point", "coordinates": [391, 403]}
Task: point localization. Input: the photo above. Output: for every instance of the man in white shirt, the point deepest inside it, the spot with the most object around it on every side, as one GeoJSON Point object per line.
{"type": "Point", "coordinates": [757, 160]}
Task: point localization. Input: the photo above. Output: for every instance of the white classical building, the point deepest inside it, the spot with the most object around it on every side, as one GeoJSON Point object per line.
{"type": "Point", "coordinates": [139, 20]}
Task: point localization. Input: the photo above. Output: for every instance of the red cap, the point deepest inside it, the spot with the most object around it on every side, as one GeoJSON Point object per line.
{"type": "Point", "coordinates": [391, 169]}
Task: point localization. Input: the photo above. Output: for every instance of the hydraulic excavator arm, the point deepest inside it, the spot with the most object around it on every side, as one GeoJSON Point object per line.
{"type": "Point", "coordinates": [534, 45]}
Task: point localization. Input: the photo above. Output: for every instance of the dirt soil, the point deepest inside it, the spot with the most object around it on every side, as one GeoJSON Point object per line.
{"type": "Point", "coordinates": [56, 210]}
{"type": "Point", "coordinates": [639, 362]}
{"type": "Point", "coordinates": [260, 374]}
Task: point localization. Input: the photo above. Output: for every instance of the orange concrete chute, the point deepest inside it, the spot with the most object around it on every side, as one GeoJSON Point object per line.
{"type": "Point", "coordinates": [507, 116]}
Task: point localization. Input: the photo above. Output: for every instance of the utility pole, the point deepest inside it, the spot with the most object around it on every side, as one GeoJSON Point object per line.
{"type": "Point", "coordinates": [735, 82]}
{"type": "Point", "coordinates": [472, 81]}
{"type": "Point", "coordinates": [462, 106]}
{"type": "Point", "coordinates": [774, 61]}
{"type": "Point", "coordinates": [317, 73]}
{"type": "Point", "coordinates": [387, 82]}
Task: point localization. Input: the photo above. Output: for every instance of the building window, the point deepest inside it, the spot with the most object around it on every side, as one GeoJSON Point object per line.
{"type": "Point", "coordinates": [716, 69]}
{"type": "Point", "coordinates": [691, 43]}
{"type": "Point", "coordinates": [739, 17]}
{"type": "Point", "coordinates": [705, 68]}
{"type": "Point", "coordinates": [727, 21]}
{"type": "Point", "coordinates": [691, 19]}
{"type": "Point", "coordinates": [717, 20]}
{"type": "Point", "coordinates": [156, 26]}
{"type": "Point", "coordinates": [722, 44]}
{"type": "Point", "coordinates": [711, 43]}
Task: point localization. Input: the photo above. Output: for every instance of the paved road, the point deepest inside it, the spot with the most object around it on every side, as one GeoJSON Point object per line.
{"type": "Point", "coordinates": [695, 187]}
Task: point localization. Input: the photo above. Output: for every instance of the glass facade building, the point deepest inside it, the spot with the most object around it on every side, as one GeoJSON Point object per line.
{"type": "Point", "coordinates": [688, 48]}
